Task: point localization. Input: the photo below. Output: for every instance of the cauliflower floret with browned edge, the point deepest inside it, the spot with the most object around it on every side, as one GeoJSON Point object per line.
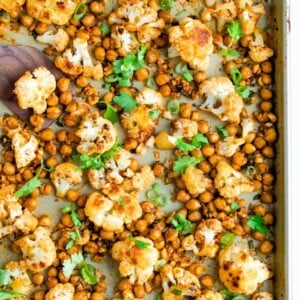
{"type": "Point", "coordinates": [231, 183]}
{"type": "Point", "coordinates": [137, 257]}
{"type": "Point", "coordinates": [25, 146]}
{"type": "Point", "coordinates": [80, 62]}
{"type": "Point", "coordinates": [176, 278]}
{"type": "Point", "coordinates": [195, 181]}
{"type": "Point", "coordinates": [224, 13]}
{"type": "Point", "coordinates": [20, 280]}
{"type": "Point", "coordinates": [51, 11]}
{"type": "Point", "coordinates": [111, 215]}
{"type": "Point", "coordinates": [240, 272]}
{"type": "Point", "coordinates": [96, 134]}
{"type": "Point", "coordinates": [64, 177]}
{"type": "Point", "coordinates": [150, 97]}
{"type": "Point", "coordinates": [125, 42]}
{"type": "Point", "coordinates": [221, 99]}
{"type": "Point", "coordinates": [138, 123]}
{"type": "Point", "coordinates": [38, 249]}
{"type": "Point", "coordinates": [184, 128]}
{"type": "Point", "coordinates": [11, 7]}
{"type": "Point", "coordinates": [143, 179]}
{"type": "Point", "coordinates": [262, 296]}
{"type": "Point", "coordinates": [59, 40]}
{"type": "Point", "coordinates": [210, 295]}
{"type": "Point", "coordinates": [61, 291]}
{"type": "Point", "coordinates": [193, 41]}
{"type": "Point", "coordinates": [33, 88]}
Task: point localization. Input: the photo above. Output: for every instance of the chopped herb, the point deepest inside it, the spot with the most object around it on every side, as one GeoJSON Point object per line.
{"type": "Point", "coordinates": [107, 155]}
{"type": "Point", "coordinates": [70, 264]}
{"type": "Point", "coordinates": [257, 223]}
{"type": "Point", "coordinates": [182, 69]}
{"type": "Point", "coordinates": [227, 239]}
{"type": "Point", "coordinates": [243, 91]}
{"type": "Point", "coordinates": [182, 225]}
{"type": "Point", "coordinates": [122, 202]}
{"type": "Point", "coordinates": [229, 52]}
{"type": "Point", "coordinates": [187, 76]}
{"type": "Point", "coordinates": [230, 296]}
{"type": "Point", "coordinates": [235, 30]}
{"type": "Point", "coordinates": [181, 13]}
{"type": "Point", "coordinates": [234, 206]}
{"type": "Point", "coordinates": [74, 236]}
{"type": "Point", "coordinates": [107, 86]}
{"type": "Point", "coordinates": [4, 277]}
{"type": "Point", "coordinates": [154, 113]}
{"type": "Point", "coordinates": [199, 140]}
{"type": "Point", "coordinates": [70, 209]}
{"type": "Point", "coordinates": [155, 186]}
{"type": "Point", "coordinates": [177, 292]}
{"type": "Point", "coordinates": [184, 162]}
{"type": "Point", "coordinates": [156, 197]}
{"type": "Point", "coordinates": [173, 107]}
{"type": "Point", "coordinates": [140, 244]}
{"type": "Point", "coordinates": [222, 131]}
{"type": "Point", "coordinates": [88, 274]}
{"type": "Point", "coordinates": [9, 294]}
{"type": "Point", "coordinates": [166, 4]}
{"type": "Point", "coordinates": [150, 83]}
{"type": "Point", "coordinates": [125, 101]}
{"type": "Point", "coordinates": [105, 29]}
{"type": "Point", "coordinates": [236, 75]}
{"type": "Point", "coordinates": [184, 146]}
{"type": "Point", "coordinates": [111, 114]}
{"type": "Point", "coordinates": [80, 11]}
{"type": "Point", "coordinates": [159, 264]}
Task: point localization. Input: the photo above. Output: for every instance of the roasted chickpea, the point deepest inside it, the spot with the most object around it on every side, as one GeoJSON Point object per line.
{"type": "Point", "coordinates": [45, 221]}
{"type": "Point", "coordinates": [139, 291]}
{"type": "Point", "coordinates": [266, 247]}
{"type": "Point", "coordinates": [141, 74]}
{"type": "Point", "coordinates": [265, 94]}
{"type": "Point", "coordinates": [99, 53]}
{"type": "Point", "coordinates": [9, 168]}
{"type": "Point", "coordinates": [267, 67]}
{"type": "Point", "coordinates": [81, 295]}
{"type": "Point", "coordinates": [207, 281]}
{"type": "Point", "coordinates": [206, 197]}
{"type": "Point", "coordinates": [203, 126]}
{"type": "Point", "coordinates": [31, 203]}
{"type": "Point", "coordinates": [185, 110]}
{"type": "Point", "coordinates": [192, 204]}
{"type": "Point", "coordinates": [162, 79]}
{"type": "Point", "coordinates": [208, 150]}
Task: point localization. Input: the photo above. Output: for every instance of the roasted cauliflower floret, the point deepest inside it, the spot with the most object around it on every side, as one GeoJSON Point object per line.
{"type": "Point", "coordinates": [111, 215]}
{"type": "Point", "coordinates": [240, 272]}
{"type": "Point", "coordinates": [143, 179]}
{"type": "Point", "coordinates": [184, 128]}
{"type": "Point", "coordinates": [61, 291]}
{"type": "Point", "coordinates": [25, 147]}
{"type": "Point", "coordinates": [51, 11]}
{"type": "Point", "coordinates": [150, 97]}
{"type": "Point", "coordinates": [20, 280]}
{"type": "Point", "coordinates": [59, 40]}
{"type": "Point", "coordinates": [33, 89]}
{"type": "Point", "coordinates": [136, 262]}
{"type": "Point", "coordinates": [138, 123]}
{"type": "Point", "coordinates": [193, 42]}
{"type": "Point", "coordinates": [262, 296]}
{"type": "Point", "coordinates": [38, 249]}
{"type": "Point", "coordinates": [26, 222]}
{"type": "Point", "coordinates": [231, 183]}
{"type": "Point", "coordinates": [195, 181]}
{"type": "Point", "coordinates": [221, 99]}
{"type": "Point", "coordinates": [11, 7]}
{"type": "Point", "coordinates": [96, 134]}
{"type": "Point", "coordinates": [79, 62]}
{"type": "Point", "coordinates": [176, 278]}
{"type": "Point", "coordinates": [64, 177]}
{"type": "Point", "coordinates": [210, 295]}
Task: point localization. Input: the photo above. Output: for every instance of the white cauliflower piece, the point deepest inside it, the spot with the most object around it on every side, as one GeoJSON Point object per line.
{"type": "Point", "coordinates": [240, 272]}
{"type": "Point", "coordinates": [59, 40]}
{"type": "Point", "coordinates": [150, 97]}
{"type": "Point", "coordinates": [26, 222]}
{"type": "Point", "coordinates": [96, 134]}
{"type": "Point", "coordinates": [25, 147]}
{"type": "Point", "coordinates": [51, 11]}
{"type": "Point", "coordinates": [61, 291]}
{"type": "Point", "coordinates": [125, 41]}
{"type": "Point", "coordinates": [262, 296]}
{"type": "Point", "coordinates": [184, 128]}
{"type": "Point", "coordinates": [136, 262]}
{"type": "Point", "coordinates": [64, 177]}
{"type": "Point", "coordinates": [247, 126]}
{"type": "Point", "coordinates": [221, 99]}
{"type": "Point", "coordinates": [70, 63]}
{"type": "Point", "coordinates": [11, 6]}
{"type": "Point", "coordinates": [231, 183]}
{"type": "Point", "coordinates": [20, 280]}
{"type": "Point", "coordinates": [33, 89]}
{"type": "Point", "coordinates": [179, 279]}
{"type": "Point", "coordinates": [111, 215]}
{"type": "Point", "coordinates": [184, 8]}
{"type": "Point", "coordinates": [143, 179]}
{"type": "Point", "coordinates": [210, 295]}
{"type": "Point", "coordinates": [193, 41]}
{"type": "Point", "coordinates": [195, 181]}
{"type": "Point", "coordinates": [38, 249]}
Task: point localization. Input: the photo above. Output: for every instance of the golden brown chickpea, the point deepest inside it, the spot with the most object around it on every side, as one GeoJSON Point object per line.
{"type": "Point", "coordinates": [47, 135]}
{"type": "Point", "coordinates": [125, 284]}
{"type": "Point", "coordinates": [111, 55]}
{"type": "Point", "coordinates": [81, 295]}
{"type": "Point", "coordinates": [139, 291]}
{"type": "Point", "coordinates": [162, 79]}
{"type": "Point", "coordinates": [73, 195]}
{"type": "Point", "coordinates": [65, 98]}
{"type": "Point", "coordinates": [220, 203]}
{"type": "Point", "coordinates": [158, 170]}
{"type": "Point", "coordinates": [65, 150]}
{"type": "Point", "coordinates": [141, 225]}
{"type": "Point", "coordinates": [266, 106]}
{"type": "Point", "coordinates": [52, 100]}
{"type": "Point", "coordinates": [268, 179]}
{"type": "Point", "coordinates": [46, 189]}
{"type": "Point", "coordinates": [107, 235]}
{"type": "Point", "coordinates": [267, 67]}
{"type": "Point", "coordinates": [270, 135]}
{"type": "Point", "coordinates": [268, 152]}
{"type": "Point", "coordinates": [37, 279]}
{"type": "Point", "coordinates": [130, 144]}
{"type": "Point", "coordinates": [200, 77]}
{"type": "Point", "coordinates": [31, 203]}
{"type": "Point", "coordinates": [41, 28]}
{"type": "Point", "coordinates": [246, 72]}
{"type": "Point", "coordinates": [230, 65]}
{"type": "Point", "coordinates": [266, 247]}
{"type": "Point", "coordinates": [63, 84]}
{"type": "Point", "coordinates": [195, 216]}
{"type": "Point", "coordinates": [26, 20]}
{"type": "Point", "coordinates": [183, 196]}
{"type": "Point", "coordinates": [88, 20]}
{"type": "Point", "coordinates": [165, 90]}
{"type": "Point", "coordinates": [232, 129]}
{"type": "Point", "coordinates": [269, 219]}
{"type": "Point", "coordinates": [205, 166]}
{"type": "Point", "coordinates": [82, 81]}
{"type": "Point", "coordinates": [155, 234]}
{"type": "Point", "coordinates": [245, 40]}
{"type": "Point", "coordinates": [12, 122]}
{"type": "Point", "coordinates": [61, 135]}
{"type": "Point", "coordinates": [259, 142]}
{"type": "Point", "coordinates": [96, 7]}
{"type": "Point", "coordinates": [185, 110]}
{"type": "Point", "coordinates": [9, 168]}
{"type": "Point", "coordinates": [99, 53]}
{"type": "Point", "coordinates": [203, 126]}
{"type": "Point", "coordinates": [207, 281]}
{"type": "Point", "coordinates": [208, 150]}
{"type": "Point", "coordinates": [151, 56]}
{"type": "Point", "coordinates": [166, 16]}
{"type": "Point", "coordinates": [206, 197]}
{"type": "Point", "coordinates": [239, 158]}
{"type": "Point", "coordinates": [192, 204]}
{"type": "Point", "coordinates": [66, 220]}
{"type": "Point", "coordinates": [53, 113]}
{"type": "Point", "coordinates": [258, 235]}
{"type": "Point", "coordinates": [265, 94]}
{"type": "Point", "coordinates": [141, 74]}
{"type": "Point", "coordinates": [45, 221]}
{"type": "Point", "coordinates": [213, 137]}
{"type": "Point", "coordinates": [259, 209]}
{"type": "Point", "coordinates": [39, 295]}
{"type": "Point", "coordinates": [51, 282]}
{"type": "Point", "coordinates": [97, 296]}
{"type": "Point", "coordinates": [249, 148]}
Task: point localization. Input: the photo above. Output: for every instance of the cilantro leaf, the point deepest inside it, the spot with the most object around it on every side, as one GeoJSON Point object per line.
{"type": "Point", "coordinates": [9, 294]}
{"type": "Point", "coordinates": [182, 225]}
{"type": "Point", "coordinates": [227, 239]}
{"type": "Point", "coordinates": [4, 277]}
{"type": "Point", "coordinates": [28, 187]}
{"type": "Point", "coordinates": [125, 101]}
{"type": "Point", "coordinates": [154, 113]}
{"type": "Point", "coordinates": [243, 91]}
{"type": "Point", "coordinates": [236, 75]}
{"type": "Point", "coordinates": [73, 237]}
{"type": "Point", "coordinates": [141, 244]}
{"type": "Point", "coordinates": [88, 274]}
{"type": "Point", "coordinates": [235, 30]}
{"type": "Point", "coordinates": [166, 4]}
{"type": "Point", "coordinates": [222, 131]}
{"type": "Point", "coordinates": [141, 55]}
{"type": "Point", "coordinates": [234, 206]}
{"type": "Point", "coordinates": [257, 223]}
{"type": "Point", "coordinates": [111, 114]}
{"type": "Point", "coordinates": [105, 29]}
{"type": "Point", "coordinates": [184, 162]}
{"type": "Point", "coordinates": [199, 140]}
{"type": "Point", "coordinates": [230, 296]}
{"type": "Point", "coordinates": [122, 202]}
{"type": "Point", "coordinates": [73, 214]}
{"type": "Point", "coordinates": [184, 146]}
{"type": "Point", "coordinates": [229, 52]}
{"type": "Point", "coordinates": [107, 155]}
{"type": "Point", "coordinates": [156, 197]}
{"type": "Point", "coordinates": [70, 264]}
{"type": "Point", "coordinates": [177, 292]}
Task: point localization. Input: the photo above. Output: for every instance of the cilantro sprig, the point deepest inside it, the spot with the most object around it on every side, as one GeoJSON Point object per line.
{"type": "Point", "coordinates": [9, 294]}
{"type": "Point", "coordinates": [198, 141]}
{"type": "Point", "coordinates": [70, 209]}
{"type": "Point", "coordinates": [140, 244]}
{"type": "Point", "coordinates": [166, 4]}
{"type": "Point", "coordinates": [88, 274]}
{"type": "Point", "coordinates": [158, 198]}
{"type": "Point", "coordinates": [182, 225]}
{"type": "Point", "coordinates": [243, 91]}
{"type": "Point", "coordinates": [257, 223]}
{"type": "Point", "coordinates": [229, 52]}
{"type": "Point", "coordinates": [182, 163]}
{"type": "Point", "coordinates": [235, 30]}
{"type": "Point", "coordinates": [111, 114]}
{"type": "Point", "coordinates": [236, 75]}
{"type": "Point", "coordinates": [227, 239]}
{"type": "Point", "coordinates": [222, 131]}
{"type": "Point", "coordinates": [230, 296]}
{"type": "Point", "coordinates": [125, 101]}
